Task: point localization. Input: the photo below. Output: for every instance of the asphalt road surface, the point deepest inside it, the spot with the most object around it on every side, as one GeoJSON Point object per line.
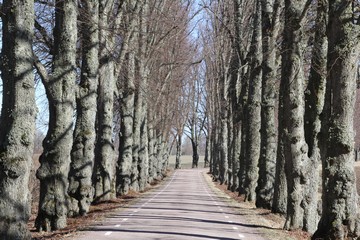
{"type": "Point", "coordinates": [184, 207]}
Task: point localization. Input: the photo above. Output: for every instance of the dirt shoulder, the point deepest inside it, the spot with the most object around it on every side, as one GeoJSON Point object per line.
{"type": "Point", "coordinates": [267, 223]}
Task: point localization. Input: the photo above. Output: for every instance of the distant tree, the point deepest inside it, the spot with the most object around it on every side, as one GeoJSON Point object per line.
{"type": "Point", "coordinates": [17, 122]}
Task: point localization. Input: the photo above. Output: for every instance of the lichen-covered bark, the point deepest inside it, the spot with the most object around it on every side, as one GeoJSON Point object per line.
{"type": "Point", "coordinates": [55, 160]}
{"type": "Point", "coordinates": [295, 147]}
{"type": "Point", "coordinates": [151, 148]}
{"type": "Point", "coordinates": [104, 165]}
{"type": "Point", "coordinates": [17, 123]}
{"type": "Point", "coordinates": [254, 110]}
{"type": "Point", "coordinates": [314, 102]}
{"type": "Point", "coordinates": [81, 190]}
{"type": "Point", "coordinates": [340, 213]}
{"type": "Point", "coordinates": [279, 204]}
{"type": "Point", "coordinates": [267, 161]}
{"type": "Point", "coordinates": [125, 161]}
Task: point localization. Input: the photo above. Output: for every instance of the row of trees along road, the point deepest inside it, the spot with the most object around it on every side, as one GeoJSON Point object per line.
{"type": "Point", "coordinates": [112, 70]}
{"type": "Point", "coordinates": [281, 80]}
{"type": "Point", "coordinates": [273, 92]}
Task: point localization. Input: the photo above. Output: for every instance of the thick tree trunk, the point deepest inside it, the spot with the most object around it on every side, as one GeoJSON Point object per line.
{"type": "Point", "coordinates": [125, 162]}
{"type": "Point", "coordinates": [55, 160]}
{"type": "Point", "coordinates": [254, 110]}
{"type": "Point", "coordinates": [340, 213]}
{"type": "Point", "coordinates": [17, 123]}
{"type": "Point", "coordinates": [104, 166]}
{"type": "Point", "coordinates": [279, 204]}
{"type": "Point", "coordinates": [267, 161]}
{"type": "Point", "coordinates": [81, 190]}
{"type": "Point", "coordinates": [295, 147]}
{"type": "Point", "coordinates": [314, 102]}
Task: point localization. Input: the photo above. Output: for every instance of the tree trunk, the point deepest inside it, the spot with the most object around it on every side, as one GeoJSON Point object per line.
{"type": "Point", "coordinates": [104, 166]}
{"type": "Point", "coordinates": [178, 152]}
{"type": "Point", "coordinates": [83, 150]}
{"type": "Point", "coordinates": [17, 124]}
{"type": "Point", "coordinates": [254, 110]}
{"type": "Point", "coordinates": [267, 161]}
{"type": "Point", "coordinates": [125, 162]}
{"type": "Point", "coordinates": [295, 147]}
{"type": "Point", "coordinates": [340, 214]}
{"type": "Point", "coordinates": [195, 157]}
{"type": "Point", "coordinates": [314, 102]}
{"type": "Point", "coordinates": [279, 204]}
{"type": "Point", "coordinates": [151, 148]}
{"type": "Point", "coordinates": [55, 160]}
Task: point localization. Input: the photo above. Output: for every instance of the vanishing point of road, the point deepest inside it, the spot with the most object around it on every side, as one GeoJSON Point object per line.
{"type": "Point", "coordinates": [184, 207]}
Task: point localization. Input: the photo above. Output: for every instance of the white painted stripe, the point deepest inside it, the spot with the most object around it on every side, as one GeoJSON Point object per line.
{"type": "Point", "coordinates": [230, 221]}
{"type": "Point", "coordinates": [235, 228]}
{"type": "Point", "coordinates": [125, 219]}
{"type": "Point", "coordinates": [226, 216]}
{"type": "Point", "coordinates": [108, 233]}
{"type": "Point", "coordinates": [242, 236]}
{"type": "Point", "coordinates": [118, 225]}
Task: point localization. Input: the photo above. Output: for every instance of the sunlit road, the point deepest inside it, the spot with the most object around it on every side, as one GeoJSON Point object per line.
{"type": "Point", "coordinates": [184, 207]}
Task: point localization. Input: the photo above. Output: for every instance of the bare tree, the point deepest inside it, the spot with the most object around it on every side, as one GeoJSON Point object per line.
{"type": "Point", "coordinates": [60, 85]}
{"type": "Point", "coordinates": [17, 117]}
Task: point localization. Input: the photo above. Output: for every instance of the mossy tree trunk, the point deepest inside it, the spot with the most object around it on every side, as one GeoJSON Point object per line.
{"type": "Point", "coordinates": [314, 102]}
{"type": "Point", "coordinates": [253, 137]}
{"type": "Point", "coordinates": [295, 147]}
{"type": "Point", "coordinates": [81, 190]}
{"type": "Point", "coordinates": [340, 213]}
{"type": "Point", "coordinates": [55, 159]}
{"type": "Point", "coordinates": [104, 165]}
{"type": "Point", "coordinates": [267, 161]}
{"type": "Point", "coordinates": [17, 123]}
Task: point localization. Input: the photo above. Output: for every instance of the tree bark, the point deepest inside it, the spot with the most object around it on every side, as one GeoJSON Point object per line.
{"type": "Point", "coordinates": [340, 214]}
{"type": "Point", "coordinates": [254, 110]}
{"type": "Point", "coordinates": [295, 147]}
{"type": "Point", "coordinates": [104, 166]}
{"type": "Point", "coordinates": [178, 152]}
{"type": "Point", "coordinates": [314, 102]}
{"type": "Point", "coordinates": [267, 161]}
{"type": "Point", "coordinates": [279, 204]}
{"type": "Point", "coordinates": [55, 160]}
{"type": "Point", "coordinates": [17, 123]}
{"type": "Point", "coordinates": [83, 150]}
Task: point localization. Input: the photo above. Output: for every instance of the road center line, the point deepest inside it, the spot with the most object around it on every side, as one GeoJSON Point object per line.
{"type": "Point", "coordinates": [108, 233]}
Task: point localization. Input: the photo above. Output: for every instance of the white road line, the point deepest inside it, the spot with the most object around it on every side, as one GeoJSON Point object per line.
{"type": "Point", "coordinates": [136, 210]}
{"type": "Point", "coordinates": [242, 236]}
{"type": "Point", "coordinates": [226, 216]}
{"type": "Point", "coordinates": [117, 225]}
{"type": "Point", "coordinates": [108, 233]}
{"type": "Point", "coordinates": [221, 209]}
{"type": "Point", "coordinates": [125, 219]}
{"type": "Point", "coordinates": [235, 228]}
{"type": "Point", "coordinates": [230, 221]}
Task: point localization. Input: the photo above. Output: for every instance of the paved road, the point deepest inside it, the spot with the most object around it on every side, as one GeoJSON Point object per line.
{"type": "Point", "coordinates": [182, 208]}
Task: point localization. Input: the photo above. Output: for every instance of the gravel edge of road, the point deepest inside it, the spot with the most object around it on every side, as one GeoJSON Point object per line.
{"type": "Point", "coordinates": [269, 229]}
